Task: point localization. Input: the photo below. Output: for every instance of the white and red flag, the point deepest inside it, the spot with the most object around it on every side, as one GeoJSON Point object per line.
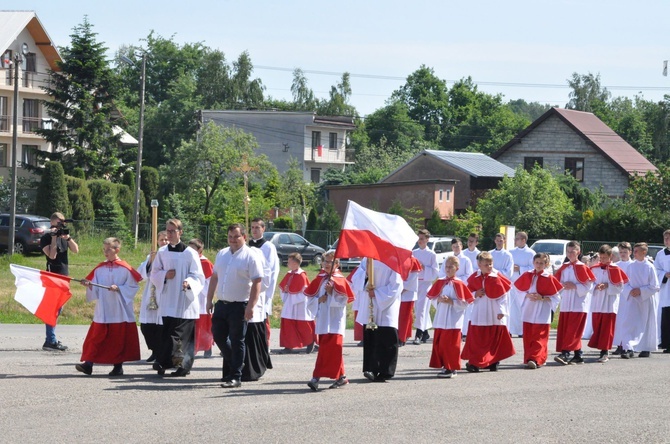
{"type": "Point", "coordinates": [41, 292]}
{"type": "Point", "coordinates": [387, 238]}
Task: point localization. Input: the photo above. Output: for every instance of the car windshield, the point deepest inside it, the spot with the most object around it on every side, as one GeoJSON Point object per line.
{"type": "Point", "coordinates": [429, 245]}
{"type": "Point", "coordinates": [549, 248]}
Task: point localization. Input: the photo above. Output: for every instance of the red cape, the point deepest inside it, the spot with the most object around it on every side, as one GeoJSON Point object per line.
{"type": "Point", "coordinates": [351, 275]}
{"type": "Point", "coordinates": [496, 284]}
{"type": "Point", "coordinates": [116, 263]}
{"type": "Point", "coordinates": [340, 285]}
{"type": "Point", "coordinates": [616, 275]}
{"type": "Point", "coordinates": [294, 282]}
{"type": "Point", "coordinates": [207, 267]}
{"type": "Point", "coordinates": [582, 272]}
{"type": "Point", "coordinates": [547, 285]}
{"type": "Point", "coordinates": [415, 266]}
{"type": "Point", "coordinates": [460, 289]}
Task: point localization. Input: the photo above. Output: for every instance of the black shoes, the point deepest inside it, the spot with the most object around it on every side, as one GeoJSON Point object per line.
{"type": "Point", "coordinates": [425, 337]}
{"type": "Point", "coordinates": [233, 383]}
{"type": "Point", "coordinates": [369, 375]}
{"type": "Point", "coordinates": [618, 351]}
{"type": "Point", "coordinates": [627, 354]}
{"type": "Point", "coordinates": [180, 372]}
{"type": "Point", "coordinates": [310, 348]}
{"type": "Point", "coordinates": [471, 368]}
{"type": "Point", "coordinates": [159, 368]}
{"type": "Point", "coordinates": [117, 370]}
{"type": "Point", "coordinates": [493, 367]}
{"type": "Point", "coordinates": [85, 368]}
{"type": "Point", "coordinates": [563, 358]}
{"type": "Point", "coordinates": [53, 346]}
{"type": "Point", "coordinates": [208, 353]}
{"type": "Point", "coordinates": [577, 359]}
{"type": "Point", "coordinates": [644, 354]}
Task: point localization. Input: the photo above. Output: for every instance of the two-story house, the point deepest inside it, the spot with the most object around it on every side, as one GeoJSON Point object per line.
{"type": "Point", "coordinates": [316, 142]}
{"type": "Point", "coordinates": [22, 35]}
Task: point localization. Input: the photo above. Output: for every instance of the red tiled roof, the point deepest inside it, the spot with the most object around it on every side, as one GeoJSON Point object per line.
{"type": "Point", "coordinates": [599, 135]}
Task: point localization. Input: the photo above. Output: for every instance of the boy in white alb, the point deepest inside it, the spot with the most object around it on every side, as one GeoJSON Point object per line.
{"type": "Point", "coordinates": [452, 297]}
{"type": "Point", "coordinates": [410, 291]}
{"type": "Point", "coordinates": [523, 262]}
{"type": "Point", "coordinates": [112, 337]}
{"type": "Point", "coordinates": [471, 252]}
{"type": "Point", "coordinates": [637, 329]}
{"type": "Point", "coordinates": [151, 324]}
{"type": "Point", "coordinates": [625, 250]}
{"type": "Point", "coordinates": [427, 275]}
{"type": "Point", "coordinates": [298, 311]}
{"type": "Point", "coordinates": [465, 268]}
{"type": "Point", "coordinates": [662, 266]}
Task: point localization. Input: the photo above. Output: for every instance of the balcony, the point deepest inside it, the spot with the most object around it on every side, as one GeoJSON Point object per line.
{"type": "Point", "coordinates": [32, 80]}
{"type": "Point", "coordinates": [326, 155]}
{"type": "Point", "coordinates": [4, 124]}
{"type": "Point", "coordinates": [30, 124]}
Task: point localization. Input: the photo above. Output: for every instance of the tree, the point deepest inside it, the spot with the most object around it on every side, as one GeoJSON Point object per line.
{"type": "Point", "coordinates": [338, 103]}
{"type": "Point", "coordinates": [150, 184]}
{"type": "Point", "coordinates": [80, 199]}
{"type": "Point", "coordinates": [530, 111]}
{"type": "Point", "coordinates": [531, 201]}
{"type": "Point", "coordinates": [294, 192]}
{"type": "Point", "coordinates": [52, 193]}
{"type": "Point", "coordinates": [303, 96]}
{"type": "Point", "coordinates": [587, 93]}
{"type": "Point", "coordinates": [82, 107]}
{"type": "Point", "coordinates": [393, 124]}
{"type": "Point", "coordinates": [201, 166]}
{"type": "Point", "coordinates": [651, 192]}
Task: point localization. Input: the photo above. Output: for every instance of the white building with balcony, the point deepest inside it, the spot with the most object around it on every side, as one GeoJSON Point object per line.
{"type": "Point", "coordinates": [22, 34]}
{"type": "Point", "coordinates": [317, 142]}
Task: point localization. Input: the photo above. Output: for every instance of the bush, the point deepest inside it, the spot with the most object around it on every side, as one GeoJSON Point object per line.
{"type": "Point", "coordinates": [284, 223]}
{"type": "Point", "coordinates": [52, 193]}
{"type": "Point", "coordinates": [150, 184]}
{"type": "Point", "coordinates": [80, 200]}
{"type": "Point", "coordinates": [126, 199]}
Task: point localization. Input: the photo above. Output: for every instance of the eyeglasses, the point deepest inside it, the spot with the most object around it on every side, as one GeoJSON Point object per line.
{"type": "Point", "coordinates": [171, 231]}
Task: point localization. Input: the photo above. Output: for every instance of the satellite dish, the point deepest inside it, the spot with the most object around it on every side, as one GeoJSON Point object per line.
{"type": "Point", "coordinates": [24, 49]}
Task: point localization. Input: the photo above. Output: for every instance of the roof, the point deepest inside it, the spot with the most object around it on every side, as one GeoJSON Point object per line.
{"type": "Point", "coordinates": [343, 122]}
{"type": "Point", "coordinates": [473, 164]}
{"type": "Point", "coordinates": [12, 23]}
{"type": "Point", "coordinates": [596, 134]}
{"type": "Point", "coordinates": [394, 184]}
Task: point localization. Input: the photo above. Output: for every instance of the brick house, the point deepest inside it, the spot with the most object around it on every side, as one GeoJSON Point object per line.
{"type": "Point", "coordinates": [449, 181]}
{"type": "Point", "coordinates": [579, 142]}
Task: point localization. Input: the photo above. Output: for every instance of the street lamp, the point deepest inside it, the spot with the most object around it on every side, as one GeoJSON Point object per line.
{"type": "Point", "coordinates": [138, 172]}
{"type": "Point", "coordinates": [15, 138]}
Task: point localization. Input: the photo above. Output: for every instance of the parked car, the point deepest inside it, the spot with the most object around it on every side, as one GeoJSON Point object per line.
{"type": "Point", "coordinates": [441, 246]}
{"type": "Point", "coordinates": [29, 228]}
{"type": "Point", "coordinates": [287, 243]}
{"type": "Point", "coordinates": [555, 248]}
{"type": "Point", "coordinates": [347, 264]}
{"type": "Point", "coordinates": [654, 250]}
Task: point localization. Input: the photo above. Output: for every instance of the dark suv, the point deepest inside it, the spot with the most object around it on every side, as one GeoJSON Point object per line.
{"type": "Point", "coordinates": [29, 230]}
{"type": "Point", "coordinates": [287, 243]}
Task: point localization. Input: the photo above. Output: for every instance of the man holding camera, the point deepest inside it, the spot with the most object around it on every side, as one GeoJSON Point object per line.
{"type": "Point", "coordinates": [55, 245]}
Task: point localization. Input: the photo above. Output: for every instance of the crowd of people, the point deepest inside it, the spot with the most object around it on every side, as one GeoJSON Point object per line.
{"type": "Point", "coordinates": [480, 300]}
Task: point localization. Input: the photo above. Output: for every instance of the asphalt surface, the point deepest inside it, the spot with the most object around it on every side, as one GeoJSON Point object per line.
{"type": "Point", "coordinates": [43, 398]}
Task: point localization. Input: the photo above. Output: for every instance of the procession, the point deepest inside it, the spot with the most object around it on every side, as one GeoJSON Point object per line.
{"type": "Point", "coordinates": [190, 304]}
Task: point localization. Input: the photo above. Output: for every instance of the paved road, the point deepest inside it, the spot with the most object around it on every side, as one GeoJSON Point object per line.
{"type": "Point", "coordinates": [43, 398]}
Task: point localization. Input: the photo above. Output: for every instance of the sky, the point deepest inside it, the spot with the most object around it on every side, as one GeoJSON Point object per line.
{"type": "Point", "coordinates": [520, 49]}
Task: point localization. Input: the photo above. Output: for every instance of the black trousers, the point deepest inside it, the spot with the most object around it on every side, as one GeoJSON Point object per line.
{"type": "Point", "coordinates": [229, 330]}
{"type": "Point", "coordinates": [665, 327]}
{"type": "Point", "coordinates": [152, 336]}
{"type": "Point", "coordinates": [177, 347]}
{"type": "Point", "coordinates": [380, 351]}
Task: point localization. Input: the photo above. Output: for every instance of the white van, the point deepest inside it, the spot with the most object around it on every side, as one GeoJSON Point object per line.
{"type": "Point", "coordinates": [441, 246]}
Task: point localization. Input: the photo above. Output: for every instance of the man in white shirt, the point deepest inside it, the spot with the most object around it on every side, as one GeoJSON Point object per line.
{"type": "Point", "coordinates": [236, 279]}
{"type": "Point", "coordinates": [522, 256]}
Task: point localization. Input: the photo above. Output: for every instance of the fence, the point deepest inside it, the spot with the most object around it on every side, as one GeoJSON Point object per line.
{"type": "Point", "coordinates": [213, 236]}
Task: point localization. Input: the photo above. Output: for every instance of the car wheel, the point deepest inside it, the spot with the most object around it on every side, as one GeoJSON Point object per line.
{"type": "Point", "coordinates": [317, 260]}
{"type": "Point", "coordinates": [19, 248]}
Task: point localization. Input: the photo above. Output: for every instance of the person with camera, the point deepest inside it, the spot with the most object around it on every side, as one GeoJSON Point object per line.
{"type": "Point", "coordinates": [55, 244]}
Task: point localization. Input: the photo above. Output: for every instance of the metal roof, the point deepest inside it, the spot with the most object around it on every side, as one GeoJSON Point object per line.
{"type": "Point", "coordinates": [474, 164]}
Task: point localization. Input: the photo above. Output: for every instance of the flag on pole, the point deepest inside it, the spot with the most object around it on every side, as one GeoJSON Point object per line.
{"type": "Point", "coordinates": [385, 237]}
{"type": "Point", "coordinates": [665, 68]}
{"type": "Point", "coordinates": [41, 292]}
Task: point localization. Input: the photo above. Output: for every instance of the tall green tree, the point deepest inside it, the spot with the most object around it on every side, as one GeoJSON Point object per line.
{"type": "Point", "coordinates": [338, 102]}
{"type": "Point", "coordinates": [81, 106]}
{"type": "Point", "coordinates": [52, 193]}
{"type": "Point", "coordinates": [303, 96]}
{"type": "Point", "coordinates": [532, 201]}
{"type": "Point", "coordinates": [587, 93]}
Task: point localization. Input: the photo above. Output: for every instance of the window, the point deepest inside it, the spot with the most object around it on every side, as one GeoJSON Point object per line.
{"type": "Point", "coordinates": [448, 192]}
{"type": "Point", "coordinates": [31, 115]}
{"type": "Point", "coordinates": [3, 154]}
{"type": "Point", "coordinates": [316, 175]}
{"type": "Point", "coordinates": [575, 165]}
{"type": "Point", "coordinates": [530, 162]}
{"type": "Point", "coordinates": [29, 157]}
{"type": "Point", "coordinates": [31, 69]}
{"type": "Point", "coordinates": [440, 199]}
{"type": "Point", "coordinates": [332, 141]}
{"type": "Point", "coordinates": [316, 139]}
{"type": "Point", "coordinates": [4, 113]}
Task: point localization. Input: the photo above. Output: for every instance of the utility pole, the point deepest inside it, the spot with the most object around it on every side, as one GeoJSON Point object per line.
{"type": "Point", "coordinates": [15, 138]}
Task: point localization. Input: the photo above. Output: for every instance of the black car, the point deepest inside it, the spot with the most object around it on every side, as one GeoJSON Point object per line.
{"type": "Point", "coordinates": [287, 243]}
{"type": "Point", "coordinates": [29, 229]}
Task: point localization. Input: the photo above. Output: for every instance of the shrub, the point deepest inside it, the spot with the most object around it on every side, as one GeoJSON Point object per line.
{"type": "Point", "coordinates": [52, 193]}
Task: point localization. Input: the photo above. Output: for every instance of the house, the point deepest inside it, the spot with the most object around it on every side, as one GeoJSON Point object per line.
{"type": "Point", "coordinates": [578, 142]}
{"type": "Point", "coordinates": [449, 181]}
{"type": "Point", "coordinates": [316, 142]}
{"type": "Point", "coordinates": [22, 35]}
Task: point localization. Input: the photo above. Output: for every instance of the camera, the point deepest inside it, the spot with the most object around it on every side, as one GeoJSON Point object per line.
{"type": "Point", "coordinates": [62, 230]}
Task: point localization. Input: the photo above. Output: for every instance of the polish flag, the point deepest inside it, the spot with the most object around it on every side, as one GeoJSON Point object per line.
{"type": "Point", "coordinates": [41, 292]}
{"type": "Point", "coordinates": [384, 237]}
